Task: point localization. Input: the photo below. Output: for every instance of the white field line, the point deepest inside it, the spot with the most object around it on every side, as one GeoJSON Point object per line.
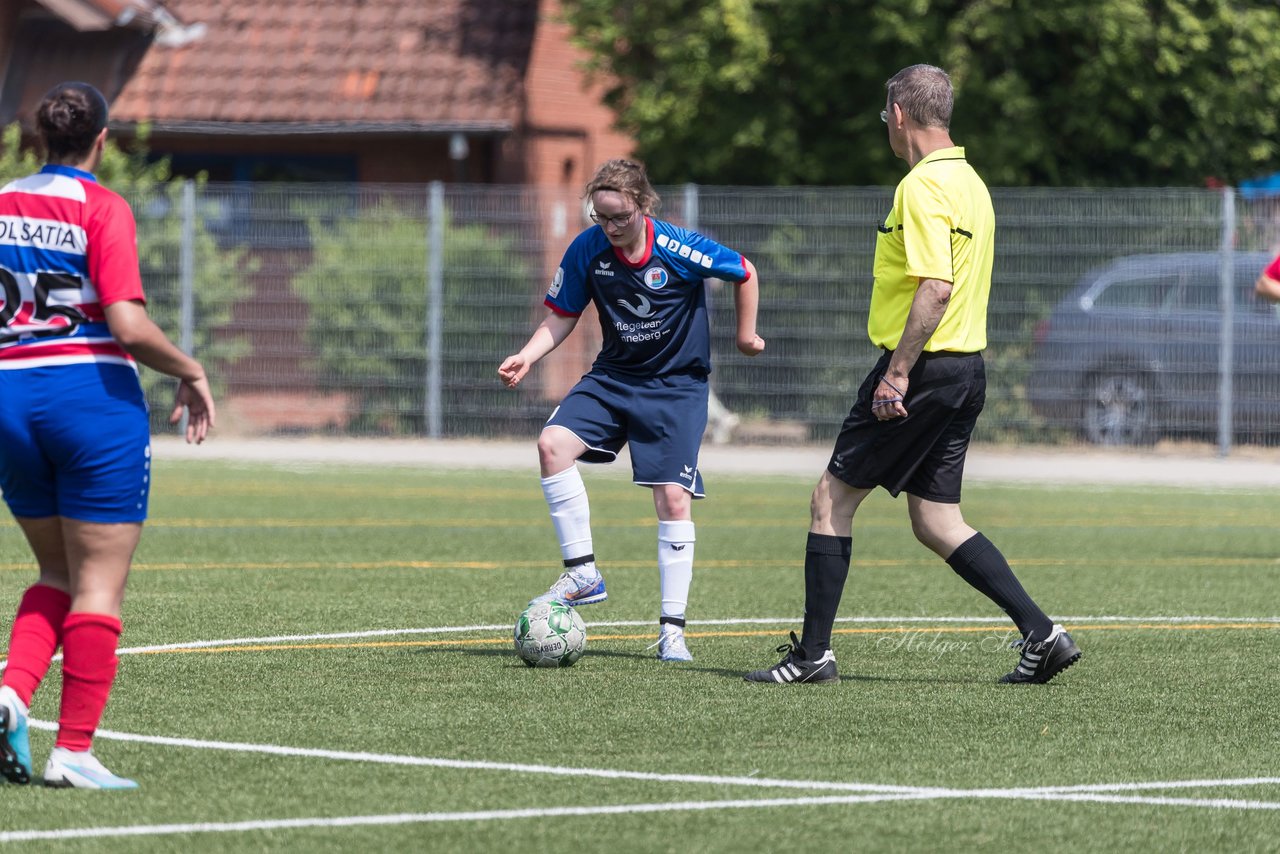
{"type": "Point", "coordinates": [619, 809]}
{"type": "Point", "coordinates": [872, 793]}
{"type": "Point", "coordinates": [736, 621]}
{"type": "Point", "coordinates": [422, 818]}
{"type": "Point", "coordinates": [509, 767]}
{"type": "Point", "coordinates": [1088, 791]}
{"type": "Point", "coordinates": [655, 777]}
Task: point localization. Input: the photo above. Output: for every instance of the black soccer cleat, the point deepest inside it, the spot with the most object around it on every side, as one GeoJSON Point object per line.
{"type": "Point", "coordinates": [1043, 660]}
{"type": "Point", "coordinates": [795, 668]}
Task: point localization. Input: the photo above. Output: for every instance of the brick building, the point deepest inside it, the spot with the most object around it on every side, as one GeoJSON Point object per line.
{"type": "Point", "coordinates": [483, 91]}
{"type": "Point", "coordinates": [366, 91]}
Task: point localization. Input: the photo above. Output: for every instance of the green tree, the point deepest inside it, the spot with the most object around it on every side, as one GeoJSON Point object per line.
{"type": "Point", "coordinates": [1118, 92]}
{"type": "Point", "coordinates": [1075, 92]}
{"type": "Point", "coordinates": [367, 310]}
{"type": "Point", "coordinates": [156, 202]}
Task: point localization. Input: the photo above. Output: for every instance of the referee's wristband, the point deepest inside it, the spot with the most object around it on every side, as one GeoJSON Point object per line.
{"type": "Point", "coordinates": [885, 380]}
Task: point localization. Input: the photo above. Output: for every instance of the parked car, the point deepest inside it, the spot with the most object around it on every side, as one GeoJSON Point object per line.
{"type": "Point", "coordinates": [1132, 354]}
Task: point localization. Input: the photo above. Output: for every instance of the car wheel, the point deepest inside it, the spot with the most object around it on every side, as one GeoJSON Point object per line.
{"type": "Point", "coordinates": [1119, 410]}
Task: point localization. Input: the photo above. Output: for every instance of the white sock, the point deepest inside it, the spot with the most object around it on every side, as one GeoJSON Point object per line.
{"type": "Point", "coordinates": [566, 496]}
{"type": "Point", "coordinates": [675, 566]}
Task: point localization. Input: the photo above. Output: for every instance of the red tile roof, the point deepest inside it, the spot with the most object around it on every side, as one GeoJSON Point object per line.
{"type": "Point", "coordinates": [91, 14]}
{"type": "Point", "coordinates": [328, 64]}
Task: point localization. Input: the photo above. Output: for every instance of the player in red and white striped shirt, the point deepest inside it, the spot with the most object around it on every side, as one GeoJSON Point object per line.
{"type": "Point", "coordinates": [75, 448]}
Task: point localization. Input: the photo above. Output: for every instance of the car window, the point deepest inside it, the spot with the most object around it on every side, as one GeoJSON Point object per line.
{"type": "Point", "coordinates": [1191, 288]}
{"type": "Point", "coordinates": [1144, 292]}
{"type": "Point", "coordinates": [1196, 290]}
{"type": "Point", "coordinates": [1156, 292]}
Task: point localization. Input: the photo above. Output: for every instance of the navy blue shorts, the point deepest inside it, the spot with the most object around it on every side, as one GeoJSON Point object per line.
{"type": "Point", "coordinates": [75, 442]}
{"type": "Point", "coordinates": [661, 418]}
{"type": "Point", "coordinates": [922, 454]}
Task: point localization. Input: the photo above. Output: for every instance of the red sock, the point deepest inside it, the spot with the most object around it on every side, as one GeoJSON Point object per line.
{"type": "Point", "coordinates": [37, 631]}
{"type": "Point", "coordinates": [88, 669]}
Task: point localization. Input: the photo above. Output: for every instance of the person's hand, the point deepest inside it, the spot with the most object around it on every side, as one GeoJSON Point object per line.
{"type": "Point", "coordinates": [195, 397]}
{"type": "Point", "coordinates": [887, 400]}
{"type": "Point", "coordinates": [752, 346]}
{"type": "Point", "coordinates": [513, 369]}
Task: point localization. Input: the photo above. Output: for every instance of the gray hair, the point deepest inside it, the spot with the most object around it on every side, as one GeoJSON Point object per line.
{"type": "Point", "coordinates": [924, 94]}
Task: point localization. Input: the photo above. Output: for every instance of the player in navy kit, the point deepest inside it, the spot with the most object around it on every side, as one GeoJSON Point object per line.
{"type": "Point", "coordinates": [648, 386]}
{"type": "Point", "coordinates": [75, 452]}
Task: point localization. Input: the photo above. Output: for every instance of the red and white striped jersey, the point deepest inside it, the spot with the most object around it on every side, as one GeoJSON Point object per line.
{"type": "Point", "coordinates": [68, 248]}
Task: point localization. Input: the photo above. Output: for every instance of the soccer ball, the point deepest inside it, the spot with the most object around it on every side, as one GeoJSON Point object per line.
{"type": "Point", "coordinates": [550, 634]}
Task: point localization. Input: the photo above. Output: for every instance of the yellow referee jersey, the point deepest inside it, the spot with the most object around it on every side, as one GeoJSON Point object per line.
{"type": "Point", "coordinates": [941, 226]}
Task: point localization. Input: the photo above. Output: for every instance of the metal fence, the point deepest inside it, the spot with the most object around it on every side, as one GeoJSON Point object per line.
{"type": "Point", "coordinates": [1116, 316]}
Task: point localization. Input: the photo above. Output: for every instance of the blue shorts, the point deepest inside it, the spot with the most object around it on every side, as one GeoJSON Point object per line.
{"type": "Point", "coordinates": [75, 442]}
{"type": "Point", "coordinates": [661, 418]}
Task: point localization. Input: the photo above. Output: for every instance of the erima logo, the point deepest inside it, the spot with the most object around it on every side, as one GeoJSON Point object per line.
{"type": "Point", "coordinates": [644, 309]}
{"type": "Point", "coordinates": [678, 547]}
{"type": "Point", "coordinates": [687, 474]}
{"type": "Point", "coordinates": [604, 269]}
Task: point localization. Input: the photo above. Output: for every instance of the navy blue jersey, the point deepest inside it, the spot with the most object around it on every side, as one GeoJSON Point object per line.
{"type": "Point", "coordinates": [653, 312]}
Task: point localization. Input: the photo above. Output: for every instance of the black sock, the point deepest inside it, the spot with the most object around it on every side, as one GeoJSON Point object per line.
{"type": "Point", "coordinates": [826, 566]}
{"type": "Point", "coordinates": [980, 563]}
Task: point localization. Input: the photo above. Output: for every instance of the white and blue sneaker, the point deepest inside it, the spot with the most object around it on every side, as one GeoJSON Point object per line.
{"type": "Point", "coordinates": [15, 743]}
{"type": "Point", "coordinates": [671, 645]}
{"type": "Point", "coordinates": [71, 769]}
{"type": "Point", "coordinates": [574, 588]}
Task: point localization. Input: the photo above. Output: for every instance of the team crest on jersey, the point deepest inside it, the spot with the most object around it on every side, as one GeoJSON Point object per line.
{"type": "Point", "coordinates": [554, 290]}
{"type": "Point", "coordinates": [655, 278]}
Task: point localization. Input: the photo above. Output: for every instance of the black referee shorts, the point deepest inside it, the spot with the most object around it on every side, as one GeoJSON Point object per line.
{"type": "Point", "coordinates": [922, 454]}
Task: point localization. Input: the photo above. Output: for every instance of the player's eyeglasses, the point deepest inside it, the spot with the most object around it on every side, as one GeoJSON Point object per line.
{"type": "Point", "coordinates": [884, 116]}
{"type": "Point", "coordinates": [619, 221]}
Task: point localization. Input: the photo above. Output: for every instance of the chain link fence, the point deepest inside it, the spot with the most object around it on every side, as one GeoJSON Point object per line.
{"type": "Point", "coordinates": [1116, 316]}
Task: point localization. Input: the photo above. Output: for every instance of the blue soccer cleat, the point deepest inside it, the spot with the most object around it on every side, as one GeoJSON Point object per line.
{"type": "Point", "coordinates": [575, 588]}
{"type": "Point", "coordinates": [15, 743]}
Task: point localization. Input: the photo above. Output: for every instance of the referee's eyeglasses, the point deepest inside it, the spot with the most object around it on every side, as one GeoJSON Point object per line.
{"type": "Point", "coordinates": [619, 221]}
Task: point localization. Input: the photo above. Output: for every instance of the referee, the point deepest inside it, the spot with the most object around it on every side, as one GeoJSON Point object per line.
{"type": "Point", "coordinates": [909, 429]}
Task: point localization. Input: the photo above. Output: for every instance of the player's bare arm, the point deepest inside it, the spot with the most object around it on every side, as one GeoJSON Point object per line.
{"type": "Point", "coordinates": [548, 336]}
{"type": "Point", "coordinates": [927, 308]}
{"type": "Point", "coordinates": [1267, 288]}
{"type": "Point", "coordinates": [136, 332]}
{"type": "Point", "coordinates": [746, 300]}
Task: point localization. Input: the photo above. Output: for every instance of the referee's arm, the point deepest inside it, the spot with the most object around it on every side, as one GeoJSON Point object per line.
{"type": "Point", "coordinates": [927, 308]}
